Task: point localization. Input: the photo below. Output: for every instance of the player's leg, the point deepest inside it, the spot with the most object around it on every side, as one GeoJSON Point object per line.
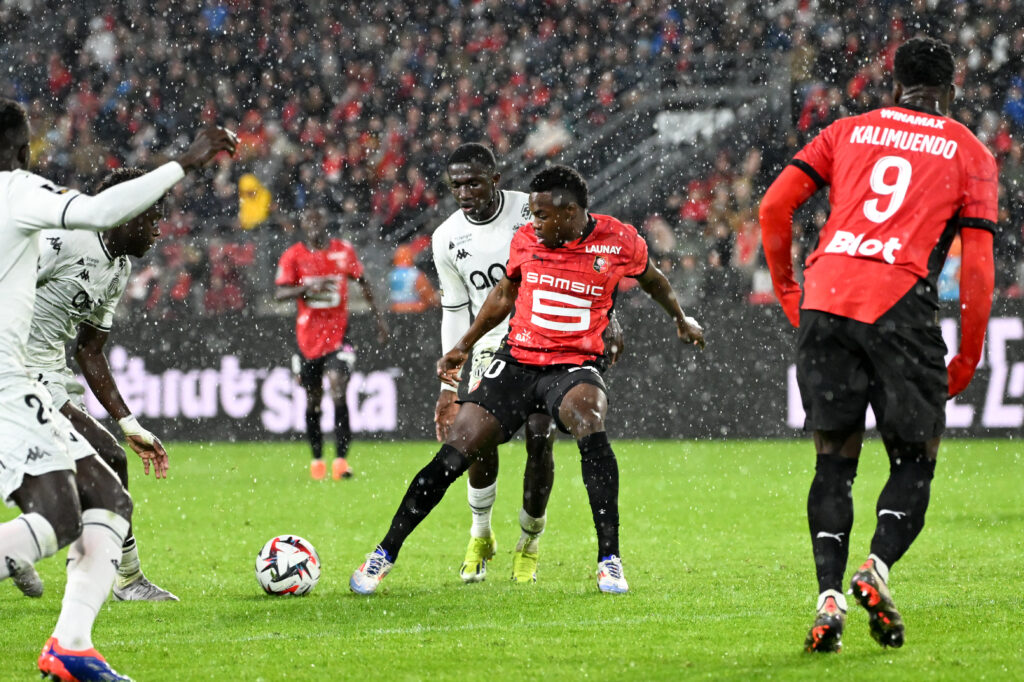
{"type": "Point", "coordinates": [481, 483]}
{"type": "Point", "coordinates": [909, 399]}
{"type": "Point", "coordinates": [50, 519]}
{"type": "Point", "coordinates": [132, 584]}
{"type": "Point", "coordinates": [92, 564]}
{"type": "Point", "coordinates": [337, 382]}
{"type": "Point", "coordinates": [834, 384]}
{"type": "Point", "coordinates": [481, 491]}
{"type": "Point", "coordinates": [538, 477]}
{"type": "Point", "coordinates": [311, 376]}
{"type": "Point", "coordinates": [475, 430]}
{"type": "Point", "coordinates": [582, 411]}
{"type": "Point", "coordinates": [37, 475]}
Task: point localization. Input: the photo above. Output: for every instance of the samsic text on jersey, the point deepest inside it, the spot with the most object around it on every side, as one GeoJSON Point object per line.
{"type": "Point", "coordinates": [902, 182]}
{"type": "Point", "coordinates": [322, 320]}
{"type": "Point", "coordinates": [565, 293]}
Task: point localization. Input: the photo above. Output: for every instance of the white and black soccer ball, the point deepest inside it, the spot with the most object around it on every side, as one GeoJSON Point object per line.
{"type": "Point", "coordinates": [287, 564]}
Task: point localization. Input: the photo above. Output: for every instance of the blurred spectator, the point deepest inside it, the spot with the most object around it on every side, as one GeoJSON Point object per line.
{"type": "Point", "coordinates": [253, 201]}
{"type": "Point", "coordinates": [409, 289]}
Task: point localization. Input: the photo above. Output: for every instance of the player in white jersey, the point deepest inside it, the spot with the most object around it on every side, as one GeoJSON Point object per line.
{"type": "Point", "coordinates": [65, 498]}
{"type": "Point", "coordinates": [81, 277]}
{"type": "Point", "coordinates": [470, 251]}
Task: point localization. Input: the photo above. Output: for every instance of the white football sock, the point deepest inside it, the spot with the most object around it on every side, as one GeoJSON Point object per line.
{"type": "Point", "coordinates": [24, 541]}
{"type": "Point", "coordinates": [839, 597]}
{"type": "Point", "coordinates": [481, 501]}
{"type": "Point", "coordinates": [532, 529]}
{"type": "Point", "coordinates": [93, 560]}
{"type": "Point", "coordinates": [881, 567]}
{"type": "Point", "coordinates": [129, 571]}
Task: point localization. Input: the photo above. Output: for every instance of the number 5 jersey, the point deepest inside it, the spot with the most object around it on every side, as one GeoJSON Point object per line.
{"type": "Point", "coordinates": [566, 293]}
{"type": "Point", "coordinates": [902, 183]}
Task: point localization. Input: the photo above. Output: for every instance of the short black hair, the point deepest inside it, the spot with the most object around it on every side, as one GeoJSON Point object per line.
{"type": "Point", "coordinates": [117, 176]}
{"type": "Point", "coordinates": [562, 178]}
{"type": "Point", "coordinates": [924, 61]}
{"type": "Point", "coordinates": [13, 118]}
{"type": "Point", "coordinates": [473, 152]}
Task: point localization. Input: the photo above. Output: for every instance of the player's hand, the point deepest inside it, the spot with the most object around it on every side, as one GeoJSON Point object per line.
{"type": "Point", "coordinates": [151, 453]}
{"type": "Point", "coordinates": [961, 371]}
{"type": "Point", "coordinates": [613, 341]}
{"type": "Point", "coordinates": [450, 364]}
{"type": "Point", "coordinates": [690, 331]}
{"type": "Point", "coordinates": [208, 143]}
{"type": "Point", "coordinates": [444, 414]}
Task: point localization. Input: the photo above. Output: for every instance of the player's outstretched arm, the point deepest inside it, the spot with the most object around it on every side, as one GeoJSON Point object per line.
{"type": "Point", "coordinates": [126, 200]}
{"type": "Point", "coordinates": [93, 363]}
{"type": "Point", "coordinates": [977, 281]}
{"type": "Point", "coordinates": [657, 286]}
{"type": "Point", "coordinates": [496, 307]}
{"type": "Point", "coordinates": [383, 333]}
{"type": "Point", "coordinates": [789, 191]}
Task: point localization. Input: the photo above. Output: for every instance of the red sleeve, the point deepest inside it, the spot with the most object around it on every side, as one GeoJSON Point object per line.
{"type": "Point", "coordinates": [981, 190]}
{"type": "Point", "coordinates": [977, 281]}
{"type": "Point", "coordinates": [791, 189]}
{"type": "Point", "coordinates": [517, 253]}
{"type": "Point", "coordinates": [286, 274]}
{"type": "Point", "coordinates": [816, 158]}
{"type": "Point", "coordinates": [637, 265]}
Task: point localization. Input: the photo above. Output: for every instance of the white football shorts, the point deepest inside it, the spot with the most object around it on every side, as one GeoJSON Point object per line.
{"type": "Point", "coordinates": [35, 439]}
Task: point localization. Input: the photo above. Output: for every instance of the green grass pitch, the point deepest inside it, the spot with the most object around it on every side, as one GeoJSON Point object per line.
{"type": "Point", "coordinates": [715, 547]}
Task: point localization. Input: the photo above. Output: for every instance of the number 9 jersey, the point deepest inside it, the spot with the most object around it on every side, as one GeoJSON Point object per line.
{"type": "Point", "coordinates": [566, 293]}
{"type": "Point", "coordinates": [902, 183]}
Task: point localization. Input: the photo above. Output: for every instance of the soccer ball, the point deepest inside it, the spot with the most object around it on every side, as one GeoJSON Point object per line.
{"type": "Point", "coordinates": [287, 564]}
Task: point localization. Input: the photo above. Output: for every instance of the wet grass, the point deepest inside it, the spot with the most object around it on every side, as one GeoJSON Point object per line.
{"type": "Point", "coordinates": [714, 540]}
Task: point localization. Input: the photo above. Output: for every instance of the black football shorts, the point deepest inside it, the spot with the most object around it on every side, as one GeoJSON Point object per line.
{"type": "Point", "coordinates": [844, 365]}
{"type": "Point", "coordinates": [512, 391]}
{"type": "Point", "coordinates": [311, 372]}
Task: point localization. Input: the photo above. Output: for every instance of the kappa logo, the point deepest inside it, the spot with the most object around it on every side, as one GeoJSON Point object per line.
{"type": "Point", "coordinates": [55, 243]}
{"type": "Point", "coordinates": [838, 537]}
{"type": "Point", "coordinates": [84, 275]}
{"type": "Point", "coordinates": [462, 253]}
{"type": "Point", "coordinates": [36, 454]}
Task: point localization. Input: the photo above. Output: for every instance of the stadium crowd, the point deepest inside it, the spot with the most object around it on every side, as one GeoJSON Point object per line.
{"type": "Point", "coordinates": [357, 104]}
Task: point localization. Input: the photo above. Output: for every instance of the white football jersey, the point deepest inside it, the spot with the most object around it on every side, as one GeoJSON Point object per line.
{"type": "Point", "coordinates": [28, 204]}
{"type": "Point", "coordinates": [78, 281]}
{"type": "Point", "coordinates": [470, 256]}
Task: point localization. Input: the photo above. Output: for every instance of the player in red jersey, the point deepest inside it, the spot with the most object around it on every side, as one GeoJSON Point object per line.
{"type": "Point", "coordinates": [562, 272]}
{"type": "Point", "coordinates": [904, 181]}
{"type": "Point", "coordinates": [315, 273]}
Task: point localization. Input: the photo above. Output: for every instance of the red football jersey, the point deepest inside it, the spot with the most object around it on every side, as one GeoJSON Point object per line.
{"type": "Point", "coordinates": [902, 182]}
{"type": "Point", "coordinates": [565, 293]}
{"type": "Point", "coordinates": [321, 322]}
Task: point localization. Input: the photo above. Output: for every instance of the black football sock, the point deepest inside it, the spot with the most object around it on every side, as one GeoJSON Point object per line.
{"type": "Point", "coordinates": [426, 490]}
{"type": "Point", "coordinates": [904, 500]}
{"type": "Point", "coordinates": [830, 516]}
{"type": "Point", "coordinates": [342, 429]}
{"type": "Point", "coordinates": [314, 433]}
{"type": "Point", "coordinates": [601, 477]}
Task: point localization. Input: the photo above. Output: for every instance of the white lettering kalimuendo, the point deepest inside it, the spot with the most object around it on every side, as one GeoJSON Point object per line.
{"type": "Point", "coordinates": [880, 136]}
